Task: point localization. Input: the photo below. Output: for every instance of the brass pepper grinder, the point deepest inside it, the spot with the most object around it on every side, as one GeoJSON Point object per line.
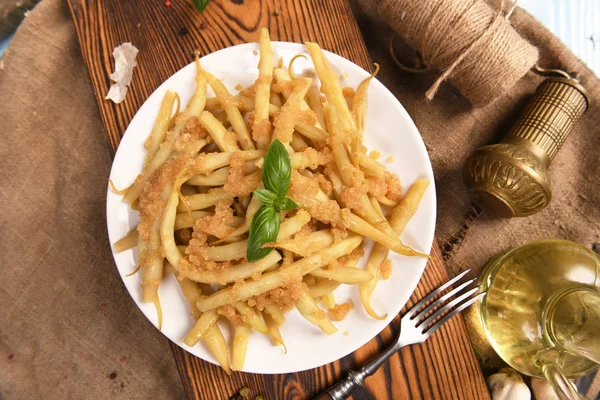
{"type": "Point", "coordinates": [510, 179]}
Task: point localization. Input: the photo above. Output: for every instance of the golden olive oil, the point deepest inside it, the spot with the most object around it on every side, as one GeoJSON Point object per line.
{"type": "Point", "coordinates": [543, 307]}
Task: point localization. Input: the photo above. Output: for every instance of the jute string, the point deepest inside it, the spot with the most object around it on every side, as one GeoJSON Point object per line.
{"type": "Point", "coordinates": [472, 44]}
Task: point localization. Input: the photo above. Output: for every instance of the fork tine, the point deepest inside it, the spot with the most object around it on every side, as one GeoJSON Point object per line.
{"type": "Point", "coordinates": [451, 314]}
{"type": "Point", "coordinates": [437, 291]}
{"type": "Point", "coordinates": [438, 302]}
{"type": "Point", "coordinates": [448, 306]}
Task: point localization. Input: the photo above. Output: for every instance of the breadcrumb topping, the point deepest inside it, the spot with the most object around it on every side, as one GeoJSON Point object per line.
{"type": "Point", "coordinates": [328, 212]}
{"type": "Point", "coordinates": [154, 195]}
{"type": "Point", "coordinates": [228, 311]}
{"type": "Point", "coordinates": [283, 87]}
{"type": "Point", "coordinates": [290, 113]}
{"type": "Point", "coordinates": [191, 132]}
{"type": "Point", "coordinates": [221, 223]}
{"type": "Point", "coordinates": [352, 198]}
{"type": "Point", "coordinates": [324, 184]}
{"type": "Point", "coordinates": [260, 129]}
{"type": "Point", "coordinates": [302, 186]}
{"type": "Point", "coordinates": [250, 91]}
{"type": "Point", "coordinates": [284, 297]}
{"type": "Point", "coordinates": [348, 92]}
{"type": "Point", "coordinates": [375, 154]}
{"type": "Point", "coordinates": [339, 234]}
{"type": "Point", "coordinates": [239, 184]}
{"type": "Point", "coordinates": [340, 311]}
{"type": "Point", "coordinates": [394, 187]}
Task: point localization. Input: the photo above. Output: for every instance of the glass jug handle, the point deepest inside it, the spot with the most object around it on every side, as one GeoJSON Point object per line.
{"type": "Point", "coordinates": [564, 388]}
{"type": "Point", "coordinates": [573, 324]}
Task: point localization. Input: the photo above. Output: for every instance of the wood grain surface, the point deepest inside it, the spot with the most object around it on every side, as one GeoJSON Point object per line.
{"type": "Point", "coordinates": [445, 366]}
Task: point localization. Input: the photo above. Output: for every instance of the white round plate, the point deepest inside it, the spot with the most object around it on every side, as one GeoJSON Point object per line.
{"type": "Point", "coordinates": [388, 129]}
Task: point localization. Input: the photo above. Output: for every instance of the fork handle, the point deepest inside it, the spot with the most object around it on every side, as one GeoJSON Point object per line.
{"type": "Point", "coordinates": [342, 389]}
{"type": "Point", "coordinates": [356, 378]}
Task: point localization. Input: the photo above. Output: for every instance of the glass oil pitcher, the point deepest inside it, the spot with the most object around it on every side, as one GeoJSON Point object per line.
{"type": "Point", "coordinates": [541, 313]}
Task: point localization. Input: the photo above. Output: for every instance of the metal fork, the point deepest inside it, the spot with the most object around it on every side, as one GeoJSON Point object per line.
{"type": "Point", "coordinates": [415, 327]}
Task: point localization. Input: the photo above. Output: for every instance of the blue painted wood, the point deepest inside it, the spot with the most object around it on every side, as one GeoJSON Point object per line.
{"type": "Point", "coordinates": [4, 43]}
{"type": "Point", "coordinates": [575, 22]}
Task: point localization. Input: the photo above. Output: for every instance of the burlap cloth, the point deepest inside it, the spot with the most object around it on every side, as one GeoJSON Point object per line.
{"type": "Point", "coordinates": [68, 327]}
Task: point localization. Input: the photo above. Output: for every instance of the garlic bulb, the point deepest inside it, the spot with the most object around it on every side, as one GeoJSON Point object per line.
{"type": "Point", "coordinates": [507, 384]}
{"type": "Point", "coordinates": [542, 390]}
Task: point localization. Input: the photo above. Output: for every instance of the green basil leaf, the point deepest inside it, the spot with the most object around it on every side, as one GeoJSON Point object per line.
{"type": "Point", "coordinates": [277, 169]}
{"type": "Point", "coordinates": [285, 203]}
{"type": "Point", "coordinates": [200, 5]}
{"type": "Point", "coordinates": [264, 228]}
{"type": "Point", "coordinates": [266, 196]}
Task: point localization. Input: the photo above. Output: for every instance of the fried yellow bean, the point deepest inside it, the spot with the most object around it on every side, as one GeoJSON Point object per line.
{"type": "Point", "coordinates": [273, 328]}
{"type": "Point", "coordinates": [185, 220]}
{"type": "Point", "coordinates": [217, 131]}
{"type": "Point", "coordinates": [281, 277]}
{"type": "Point", "coordinates": [240, 346]}
{"type": "Point", "coordinates": [328, 301]}
{"type": "Point", "coordinates": [161, 125]}
{"type": "Point", "coordinates": [204, 322]}
{"type": "Point", "coordinates": [236, 251]}
{"type": "Point", "coordinates": [275, 313]}
{"type": "Point", "coordinates": [250, 316]}
{"type": "Point", "coordinates": [311, 311]}
{"type": "Point", "coordinates": [127, 242]}
{"type": "Point", "coordinates": [261, 125]}
{"type": "Point", "coordinates": [201, 201]}
{"type": "Point", "coordinates": [322, 287]}
{"type": "Point", "coordinates": [330, 85]}
{"type": "Point", "coordinates": [218, 347]}
{"type": "Point", "coordinates": [349, 276]}
{"type": "Point", "coordinates": [243, 270]}
{"type": "Point", "coordinates": [400, 217]}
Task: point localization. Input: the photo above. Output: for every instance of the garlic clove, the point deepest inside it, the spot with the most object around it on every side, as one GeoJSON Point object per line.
{"type": "Point", "coordinates": [507, 384]}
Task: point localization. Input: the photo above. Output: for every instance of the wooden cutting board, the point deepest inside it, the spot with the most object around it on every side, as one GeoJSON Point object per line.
{"type": "Point", "coordinates": [167, 33]}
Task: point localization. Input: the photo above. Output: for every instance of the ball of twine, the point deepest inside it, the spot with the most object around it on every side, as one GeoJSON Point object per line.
{"type": "Point", "coordinates": [473, 45]}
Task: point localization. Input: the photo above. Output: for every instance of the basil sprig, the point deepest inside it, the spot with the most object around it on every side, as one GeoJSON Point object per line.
{"type": "Point", "coordinates": [200, 5]}
{"type": "Point", "coordinates": [276, 173]}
